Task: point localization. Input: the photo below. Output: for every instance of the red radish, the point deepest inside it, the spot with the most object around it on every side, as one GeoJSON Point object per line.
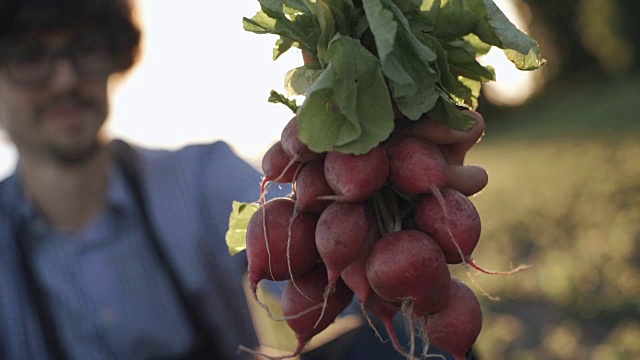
{"type": "Point", "coordinates": [277, 166]}
{"type": "Point", "coordinates": [355, 274]}
{"type": "Point", "coordinates": [301, 304]}
{"type": "Point", "coordinates": [307, 57]}
{"type": "Point", "coordinates": [293, 146]}
{"type": "Point", "coordinates": [356, 177]}
{"type": "Point", "coordinates": [355, 277]}
{"type": "Point", "coordinates": [385, 311]}
{"type": "Point", "coordinates": [457, 232]}
{"type": "Point", "coordinates": [310, 185]}
{"type": "Point", "coordinates": [408, 265]}
{"type": "Point", "coordinates": [454, 223]}
{"type": "Point", "coordinates": [295, 305]}
{"type": "Point", "coordinates": [456, 328]}
{"type": "Point", "coordinates": [278, 249]}
{"type": "Point", "coordinates": [341, 235]}
{"type": "Point", "coordinates": [416, 164]}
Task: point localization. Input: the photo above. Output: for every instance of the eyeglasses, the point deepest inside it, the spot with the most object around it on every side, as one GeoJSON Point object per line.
{"type": "Point", "coordinates": [30, 63]}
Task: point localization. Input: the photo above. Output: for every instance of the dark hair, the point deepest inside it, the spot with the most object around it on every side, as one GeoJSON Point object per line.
{"type": "Point", "coordinates": [115, 17]}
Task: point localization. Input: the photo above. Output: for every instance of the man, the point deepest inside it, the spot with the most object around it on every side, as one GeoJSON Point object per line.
{"type": "Point", "coordinates": [109, 251]}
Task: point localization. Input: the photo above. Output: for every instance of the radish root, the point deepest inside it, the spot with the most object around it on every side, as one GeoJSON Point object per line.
{"type": "Point", "coordinates": [330, 289]}
{"type": "Point", "coordinates": [370, 322]}
{"type": "Point", "coordinates": [289, 238]}
{"type": "Point", "coordinates": [409, 314]}
{"type": "Point", "coordinates": [467, 260]}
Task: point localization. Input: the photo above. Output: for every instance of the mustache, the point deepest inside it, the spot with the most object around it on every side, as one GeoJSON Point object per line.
{"type": "Point", "coordinates": [69, 99]}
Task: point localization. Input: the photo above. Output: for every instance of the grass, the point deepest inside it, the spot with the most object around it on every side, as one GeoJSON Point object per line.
{"type": "Point", "coordinates": [564, 196]}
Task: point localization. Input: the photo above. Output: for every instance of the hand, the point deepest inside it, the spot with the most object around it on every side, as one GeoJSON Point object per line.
{"type": "Point", "coordinates": [468, 179]}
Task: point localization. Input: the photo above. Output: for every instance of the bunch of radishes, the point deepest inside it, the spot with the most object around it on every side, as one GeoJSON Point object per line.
{"type": "Point", "coordinates": [377, 211]}
{"type": "Point", "coordinates": [382, 226]}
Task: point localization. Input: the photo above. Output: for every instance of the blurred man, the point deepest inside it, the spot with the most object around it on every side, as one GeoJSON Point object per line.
{"type": "Point", "coordinates": [109, 251]}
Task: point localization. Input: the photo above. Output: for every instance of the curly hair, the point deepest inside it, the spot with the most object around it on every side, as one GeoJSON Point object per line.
{"type": "Point", "coordinates": [116, 17]}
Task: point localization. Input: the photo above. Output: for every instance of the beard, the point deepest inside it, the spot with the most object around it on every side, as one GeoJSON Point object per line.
{"type": "Point", "coordinates": [80, 143]}
{"type": "Point", "coordinates": [75, 156]}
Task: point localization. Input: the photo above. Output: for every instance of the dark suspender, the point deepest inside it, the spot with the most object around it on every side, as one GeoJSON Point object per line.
{"type": "Point", "coordinates": [206, 346]}
{"type": "Point", "coordinates": [39, 297]}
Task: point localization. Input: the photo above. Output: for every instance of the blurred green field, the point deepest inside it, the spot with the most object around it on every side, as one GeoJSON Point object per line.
{"type": "Point", "coordinates": [564, 196]}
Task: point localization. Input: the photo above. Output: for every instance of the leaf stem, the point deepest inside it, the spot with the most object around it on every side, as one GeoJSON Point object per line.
{"type": "Point", "coordinates": [387, 211]}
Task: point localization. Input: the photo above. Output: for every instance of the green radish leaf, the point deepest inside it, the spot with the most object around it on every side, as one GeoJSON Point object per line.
{"type": "Point", "coordinates": [277, 8]}
{"type": "Point", "coordinates": [405, 61]}
{"type": "Point", "coordinates": [457, 91]}
{"type": "Point", "coordinates": [522, 50]}
{"type": "Point", "coordinates": [444, 109]}
{"type": "Point", "coordinates": [277, 98]}
{"type": "Point", "coordinates": [408, 7]}
{"type": "Point", "coordinates": [282, 45]}
{"type": "Point", "coordinates": [327, 28]}
{"type": "Point", "coordinates": [496, 29]}
{"type": "Point", "coordinates": [420, 54]}
{"type": "Point", "coordinates": [473, 44]}
{"type": "Point", "coordinates": [298, 81]}
{"type": "Point", "coordinates": [452, 18]}
{"type": "Point", "coordinates": [475, 87]}
{"type": "Point", "coordinates": [345, 16]}
{"type": "Point", "coordinates": [464, 63]}
{"type": "Point", "coordinates": [459, 18]}
{"type": "Point", "coordinates": [348, 108]}
{"type": "Point", "coordinates": [298, 5]}
{"type": "Point", "coordinates": [261, 23]}
{"type": "Point", "coordinates": [298, 30]}
{"type": "Point", "coordinates": [236, 236]}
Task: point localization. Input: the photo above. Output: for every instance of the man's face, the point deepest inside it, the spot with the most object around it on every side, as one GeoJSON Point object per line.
{"type": "Point", "coordinates": [53, 94]}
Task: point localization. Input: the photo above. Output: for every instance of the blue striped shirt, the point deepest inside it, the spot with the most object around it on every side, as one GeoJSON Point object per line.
{"type": "Point", "coordinates": [109, 295]}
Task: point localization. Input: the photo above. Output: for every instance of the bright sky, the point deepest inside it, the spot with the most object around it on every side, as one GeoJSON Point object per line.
{"type": "Point", "coordinates": [203, 78]}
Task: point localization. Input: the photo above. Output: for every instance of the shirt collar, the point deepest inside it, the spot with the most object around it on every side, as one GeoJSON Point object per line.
{"type": "Point", "coordinates": [120, 196]}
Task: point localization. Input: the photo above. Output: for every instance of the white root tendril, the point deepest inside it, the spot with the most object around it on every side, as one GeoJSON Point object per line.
{"type": "Point", "coordinates": [466, 261]}
{"type": "Point", "coordinates": [408, 313]}
{"type": "Point", "coordinates": [370, 322]}
{"type": "Point", "coordinates": [329, 289]}
{"type": "Point", "coordinates": [289, 238]}
{"type": "Point", "coordinates": [443, 204]}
